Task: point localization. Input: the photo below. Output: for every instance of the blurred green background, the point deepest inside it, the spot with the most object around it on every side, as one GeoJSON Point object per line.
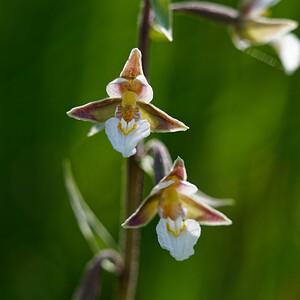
{"type": "Point", "coordinates": [243, 143]}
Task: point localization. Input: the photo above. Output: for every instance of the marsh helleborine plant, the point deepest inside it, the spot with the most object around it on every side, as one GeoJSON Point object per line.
{"type": "Point", "coordinates": [127, 113]}
{"type": "Point", "coordinates": [128, 118]}
{"type": "Point", "coordinates": [181, 209]}
{"type": "Point", "coordinates": [255, 29]}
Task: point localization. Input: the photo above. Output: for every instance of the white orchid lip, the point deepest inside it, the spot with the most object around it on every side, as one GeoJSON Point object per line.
{"type": "Point", "coordinates": [125, 136]}
{"type": "Point", "coordinates": [175, 227]}
{"type": "Point", "coordinates": [178, 236]}
{"type": "Point", "coordinates": [125, 127]}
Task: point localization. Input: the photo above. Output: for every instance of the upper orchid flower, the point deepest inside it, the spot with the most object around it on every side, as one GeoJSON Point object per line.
{"type": "Point", "coordinates": [127, 114]}
{"type": "Point", "coordinates": [181, 209]}
{"type": "Point", "coordinates": [254, 29]}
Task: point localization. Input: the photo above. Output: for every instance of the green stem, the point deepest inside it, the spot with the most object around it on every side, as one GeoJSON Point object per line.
{"type": "Point", "coordinates": [90, 285]}
{"type": "Point", "coordinates": [134, 187]}
{"type": "Point", "coordinates": [131, 237]}
{"type": "Point", "coordinates": [144, 38]}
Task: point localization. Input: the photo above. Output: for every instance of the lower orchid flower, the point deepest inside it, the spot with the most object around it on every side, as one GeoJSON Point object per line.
{"type": "Point", "coordinates": [127, 115]}
{"type": "Point", "coordinates": [182, 209]}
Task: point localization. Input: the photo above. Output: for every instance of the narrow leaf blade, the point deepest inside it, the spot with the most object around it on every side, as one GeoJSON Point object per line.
{"type": "Point", "coordinates": [91, 228]}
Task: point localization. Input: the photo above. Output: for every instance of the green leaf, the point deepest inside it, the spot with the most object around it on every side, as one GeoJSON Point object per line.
{"type": "Point", "coordinates": [91, 228]}
{"type": "Point", "coordinates": [156, 34]}
{"type": "Point", "coordinates": [163, 16]}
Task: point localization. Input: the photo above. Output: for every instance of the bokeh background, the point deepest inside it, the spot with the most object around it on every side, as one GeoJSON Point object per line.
{"type": "Point", "coordinates": [243, 143]}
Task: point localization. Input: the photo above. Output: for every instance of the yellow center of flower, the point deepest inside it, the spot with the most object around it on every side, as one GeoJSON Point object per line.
{"type": "Point", "coordinates": [126, 129]}
{"type": "Point", "coordinates": [170, 205]}
{"type": "Point", "coordinates": [129, 99]}
{"type": "Point", "coordinates": [267, 13]}
{"type": "Point", "coordinates": [174, 230]}
{"type": "Point", "coordinates": [128, 113]}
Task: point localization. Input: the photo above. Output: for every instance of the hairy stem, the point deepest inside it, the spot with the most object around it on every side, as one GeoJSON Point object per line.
{"type": "Point", "coordinates": [134, 186]}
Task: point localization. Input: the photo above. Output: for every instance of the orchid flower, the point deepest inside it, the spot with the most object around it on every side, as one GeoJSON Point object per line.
{"type": "Point", "coordinates": [181, 209]}
{"type": "Point", "coordinates": [254, 29]}
{"type": "Point", "coordinates": [127, 114]}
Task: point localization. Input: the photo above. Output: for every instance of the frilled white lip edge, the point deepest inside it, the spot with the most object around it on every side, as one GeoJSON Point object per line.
{"type": "Point", "coordinates": [178, 237]}
{"type": "Point", "coordinates": [126, 143]}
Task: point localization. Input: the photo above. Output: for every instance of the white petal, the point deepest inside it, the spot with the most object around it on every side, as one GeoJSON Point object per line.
{"type": "Point", "coordinates": [117, 87]}
{"type": "Point", "coordinates": [288, 49]}
{"type": "Point", "coordinates": [254, 8]}
{"type": "Point", "coordinates": [186, 187]}
{"type": "Point", "coordinates": [263, 30]}
{"type": "Point", "coordinates": [181, 246]}
{"type": "Point", "coordinates": [181, 186]}
{"type": "Point", "coordinates": [163, 184]}
{"type": "Point", "coordinates": [145, 90]}
{"type": "Point", "coordinates": [126, 143]}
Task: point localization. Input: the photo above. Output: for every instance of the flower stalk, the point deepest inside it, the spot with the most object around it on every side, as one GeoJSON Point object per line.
{"type": "Point", "coordinates": [211, 11]}
{"type": "Point", "coordinates": [162, 160]}
{"type": "Point", "coordinates": [89, 287]}
{"type": "Point", "coordinates": [144, 38]}
{"type": "Point", "coordinates": [130, 239]}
